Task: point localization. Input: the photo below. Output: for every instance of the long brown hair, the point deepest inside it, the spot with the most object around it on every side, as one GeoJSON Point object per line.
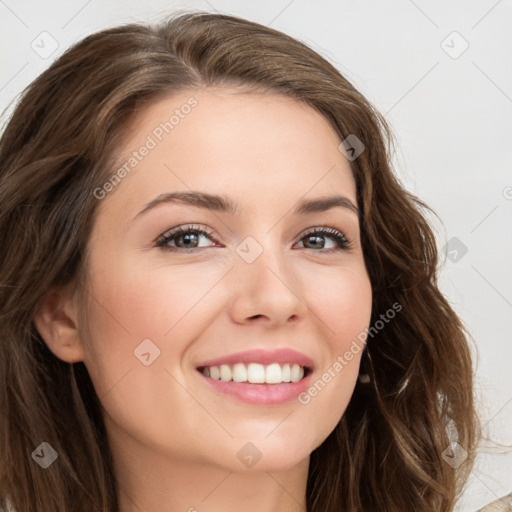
{"type": "Point", "coordinates": [387, 454]}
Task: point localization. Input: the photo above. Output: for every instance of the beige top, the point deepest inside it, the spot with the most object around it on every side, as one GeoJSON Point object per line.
{"type": "Point", "coordinates": [502, 505]}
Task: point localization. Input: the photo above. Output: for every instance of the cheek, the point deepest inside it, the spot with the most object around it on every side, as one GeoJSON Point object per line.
{"type": "Point", "coordinates": [343, 306]}
{"type": "Point", "coordinates": [140, 325]}
{"type": "Point", "coordinates": [130, 304]}
{"type": "Point", "coordinates": [343, 300]}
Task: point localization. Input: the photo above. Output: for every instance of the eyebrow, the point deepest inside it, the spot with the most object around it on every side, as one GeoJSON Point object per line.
{"type": "Point", "coordinates": [222, 203]}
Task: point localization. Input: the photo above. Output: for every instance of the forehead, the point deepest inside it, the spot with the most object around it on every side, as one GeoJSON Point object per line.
{"type": "Point", "coordinates": [224, 140]}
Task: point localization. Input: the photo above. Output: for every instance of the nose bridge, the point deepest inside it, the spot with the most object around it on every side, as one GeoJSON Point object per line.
{"type": "Point", "coordinates": [266, 284]}
{"type": "Point", "coordinates": [262, 254]}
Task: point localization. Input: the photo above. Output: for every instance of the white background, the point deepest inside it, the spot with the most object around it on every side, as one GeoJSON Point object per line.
{"type": "Point", "coordinates": [451, 116]}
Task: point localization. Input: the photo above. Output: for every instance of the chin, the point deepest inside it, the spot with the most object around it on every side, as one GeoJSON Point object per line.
{"type": "Point", "coordinates": [264, 454]}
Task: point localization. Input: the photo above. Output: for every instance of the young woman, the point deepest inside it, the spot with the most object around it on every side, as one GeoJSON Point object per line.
{"type": "Point", "coordinates": [215, 294]}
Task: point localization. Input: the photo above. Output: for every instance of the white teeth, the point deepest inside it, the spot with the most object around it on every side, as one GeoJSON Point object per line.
{"type": "Point", "coordinates": [273, 374]}
{"type": "Point", "coordinates": [296, 373]}
{"type": "Point", "coordinates": [285, 373]}
{"type": "Point", "coordinates": [225, 373]}
{"type": "Point", "coordinates": [239, 373]}
{"type": "Point", "coordinates": [214, 372]}
{"type": "Point", "coordinates": [256, 373]}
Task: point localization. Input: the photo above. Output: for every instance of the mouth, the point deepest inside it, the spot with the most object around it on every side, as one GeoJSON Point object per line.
{"type": "Point", "coordinates": [256, 373]}
{"type": "Point", "coordinates": [259, 377]}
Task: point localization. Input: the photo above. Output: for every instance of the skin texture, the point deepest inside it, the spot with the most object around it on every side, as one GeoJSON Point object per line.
{"type": "Point", "coordinates": [174, 439]}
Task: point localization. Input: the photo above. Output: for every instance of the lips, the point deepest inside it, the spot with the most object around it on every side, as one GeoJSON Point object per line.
{"type": "Point", "coordinates": [262, 356]}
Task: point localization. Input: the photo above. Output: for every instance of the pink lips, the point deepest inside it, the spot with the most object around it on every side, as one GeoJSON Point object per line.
{"type": "Point", "coordinates": [262, 356]}
{"type": "Point", "coordinates": [261, 394]}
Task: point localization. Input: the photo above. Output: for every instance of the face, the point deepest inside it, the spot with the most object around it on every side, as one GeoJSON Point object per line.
{"type": "Point", "coordinates": [183, 289]}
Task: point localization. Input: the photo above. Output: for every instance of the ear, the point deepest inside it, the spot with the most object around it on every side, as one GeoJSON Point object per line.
{"type": "Point", "coordinates": [56, 321]}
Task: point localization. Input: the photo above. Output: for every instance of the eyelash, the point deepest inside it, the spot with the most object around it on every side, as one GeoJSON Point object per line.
{"type": "Point", "coordinates": [342, 241]}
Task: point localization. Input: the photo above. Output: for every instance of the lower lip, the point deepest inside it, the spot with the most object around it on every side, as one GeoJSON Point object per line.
{"type": "Point", "coordinates": [260, 394]}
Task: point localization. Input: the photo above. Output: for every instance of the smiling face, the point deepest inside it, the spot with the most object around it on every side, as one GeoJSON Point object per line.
{"type": "Point", "coordinates": [166, 306]}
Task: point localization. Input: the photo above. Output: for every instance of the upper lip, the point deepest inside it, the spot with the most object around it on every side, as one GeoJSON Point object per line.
{"type": "Point", "coordinates": [262, 356]}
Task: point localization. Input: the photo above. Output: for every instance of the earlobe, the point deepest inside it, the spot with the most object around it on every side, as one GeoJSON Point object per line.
{"type": "Point", "coordinates": [56, 322]}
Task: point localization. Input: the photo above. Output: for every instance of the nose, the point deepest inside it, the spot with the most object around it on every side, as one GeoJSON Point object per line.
{"type": "Point", "coordinates": [266, 290]}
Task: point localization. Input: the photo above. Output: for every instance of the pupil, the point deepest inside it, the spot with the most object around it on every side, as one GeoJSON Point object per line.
{"type": "Point", "coordinates": [317, 238]}
{"type": "Point", "coordinates": [187, 238]}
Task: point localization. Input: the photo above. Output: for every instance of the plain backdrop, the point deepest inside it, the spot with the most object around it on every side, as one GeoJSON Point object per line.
{"type": "Point", "coordinates": [440, 72]}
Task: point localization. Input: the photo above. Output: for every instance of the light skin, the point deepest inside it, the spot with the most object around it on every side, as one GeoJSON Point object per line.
{"type": "Point", "coordinates": [174, 439]}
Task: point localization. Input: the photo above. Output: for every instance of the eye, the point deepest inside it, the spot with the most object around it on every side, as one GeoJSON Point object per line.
{"type": "Point", "coordinates": [315, 235]}
{"type": "Point", "coordinates": [185, 237]}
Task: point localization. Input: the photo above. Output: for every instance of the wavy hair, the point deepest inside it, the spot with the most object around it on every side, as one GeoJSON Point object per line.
{"type": "Point", "coordinates": [386, 453]}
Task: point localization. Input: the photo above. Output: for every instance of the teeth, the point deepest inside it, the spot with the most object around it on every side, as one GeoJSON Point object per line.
{"type": "Point", "coordinates": [273, 374]}
{"type": "Point", "coordinates": [297, 373]}
{"type": "Point", "coordinates": [225, 373]}
{"type": "Point", "coordinates": [214, 372]}
{"type": "Point", "coordinates": [239, 373]}
{"type": "Point", "coordinates": [285, 373]}
{"type": "Point", "coordinates": [256, 373]}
